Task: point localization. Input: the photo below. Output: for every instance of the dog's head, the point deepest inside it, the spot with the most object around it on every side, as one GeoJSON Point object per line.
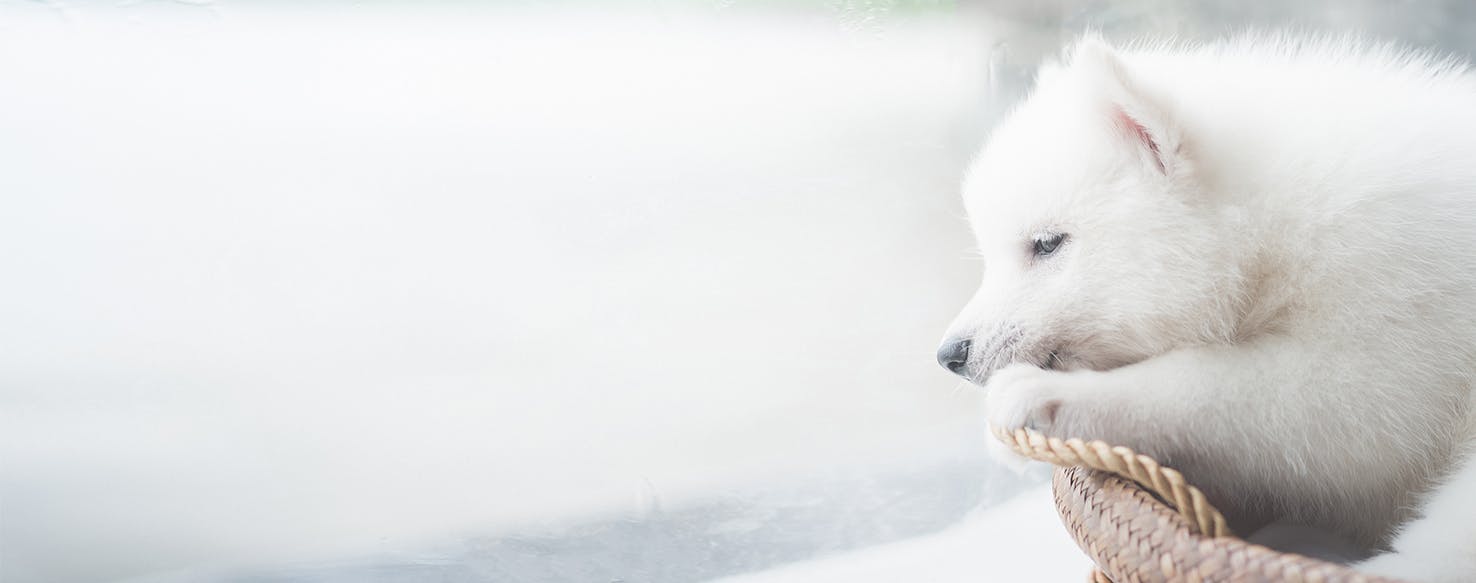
{"type": "Point", "coordinates": [1101, 246]}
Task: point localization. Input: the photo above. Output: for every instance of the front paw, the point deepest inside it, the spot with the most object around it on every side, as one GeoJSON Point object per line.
{"type": "Point", "coordinates": [1023, 396]}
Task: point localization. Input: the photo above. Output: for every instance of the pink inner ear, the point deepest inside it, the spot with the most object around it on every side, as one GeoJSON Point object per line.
{"type": "Point", "coordinates": [1136, 129]}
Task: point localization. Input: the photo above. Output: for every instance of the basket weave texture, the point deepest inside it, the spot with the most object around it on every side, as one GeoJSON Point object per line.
{"type": "Point", "coordinates": [1142, 522]}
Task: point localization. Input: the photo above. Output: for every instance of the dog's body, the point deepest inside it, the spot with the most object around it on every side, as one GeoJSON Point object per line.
{"type": "Point", "coordinates": [1254, 261]}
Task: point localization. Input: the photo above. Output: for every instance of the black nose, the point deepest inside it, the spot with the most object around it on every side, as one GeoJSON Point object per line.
{"type": "Point", "coordinates": [954, 355]}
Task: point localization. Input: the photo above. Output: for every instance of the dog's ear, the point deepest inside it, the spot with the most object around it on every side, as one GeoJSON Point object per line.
{"type": "Point", "coordinates": [1134, 114]}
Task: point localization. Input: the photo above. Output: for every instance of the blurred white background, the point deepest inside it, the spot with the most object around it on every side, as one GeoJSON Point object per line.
{"type": "Point", "coordinates": [514, 292]}
{"type": "Point", "coordinates": [290, 284]}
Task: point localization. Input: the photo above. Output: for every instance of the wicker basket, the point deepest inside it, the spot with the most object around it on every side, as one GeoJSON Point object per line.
{"type": "Point", "coordinates": [1140, 522]}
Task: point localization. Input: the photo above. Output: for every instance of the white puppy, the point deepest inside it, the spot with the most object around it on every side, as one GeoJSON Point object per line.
{"type": "Point", "coordinates": [1254, 261]}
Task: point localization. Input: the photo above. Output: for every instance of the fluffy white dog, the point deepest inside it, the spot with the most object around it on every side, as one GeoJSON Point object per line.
{"type": "Point", "coordinates": [1254, 261]}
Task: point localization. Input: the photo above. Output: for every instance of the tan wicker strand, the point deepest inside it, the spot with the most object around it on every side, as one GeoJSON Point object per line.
{"type": "Point", "coordinates": [1134, 536]}
{"type": "Point", "coordinates": [1142, 522]}
{"type": "Point", "coordinates": [1165, 482]}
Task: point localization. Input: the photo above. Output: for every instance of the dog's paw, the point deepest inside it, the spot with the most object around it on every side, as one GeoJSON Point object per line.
{"type": "Point", "coordinates": [1023, 396]}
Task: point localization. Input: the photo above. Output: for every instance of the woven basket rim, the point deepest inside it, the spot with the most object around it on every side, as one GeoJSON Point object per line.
{"type": "Point", "coordinates": [1141, 521]}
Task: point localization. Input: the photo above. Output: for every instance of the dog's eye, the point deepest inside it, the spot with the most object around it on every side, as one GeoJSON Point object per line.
{"type": "Point", "coordinates": [1047, 244]}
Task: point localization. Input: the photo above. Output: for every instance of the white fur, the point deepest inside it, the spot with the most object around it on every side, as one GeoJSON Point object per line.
{"type": "Point", "coordinates": [1441, 546]}
{"type": "Point", "coordinates": [1269, 280]}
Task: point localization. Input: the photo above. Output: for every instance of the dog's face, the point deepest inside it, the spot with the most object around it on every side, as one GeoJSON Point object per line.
{"type": "Point", "coordinates": [1099, 247]}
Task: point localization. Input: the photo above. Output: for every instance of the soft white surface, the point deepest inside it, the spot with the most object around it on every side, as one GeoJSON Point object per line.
{"type": "Point", "coordinates": [1020, 540]}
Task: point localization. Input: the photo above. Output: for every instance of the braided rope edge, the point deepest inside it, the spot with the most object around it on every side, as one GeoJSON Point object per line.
{"type": "Point", "coordinates": [1165, 482]}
